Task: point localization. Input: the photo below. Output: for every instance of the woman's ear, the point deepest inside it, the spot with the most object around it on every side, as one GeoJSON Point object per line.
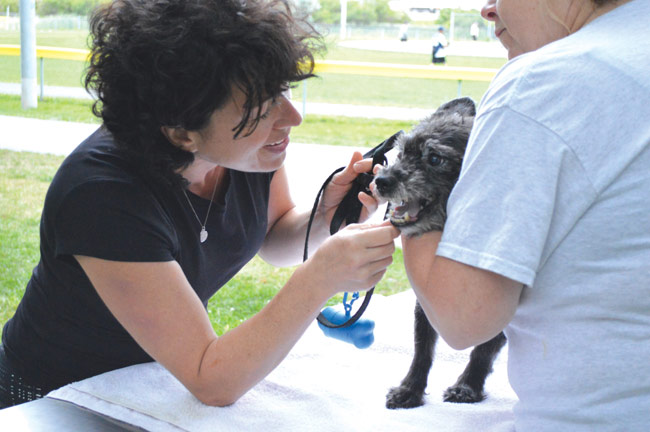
{"type": "Point", "coordinates": [179, 137]}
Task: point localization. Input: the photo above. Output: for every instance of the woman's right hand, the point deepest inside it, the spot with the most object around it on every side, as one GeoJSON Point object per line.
{"type": "Point", "coordinates": [355, 258]}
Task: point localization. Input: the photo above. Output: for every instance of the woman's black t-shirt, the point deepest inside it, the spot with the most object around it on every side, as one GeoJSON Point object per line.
{"type": "Point", "coordinates": [100, 205]}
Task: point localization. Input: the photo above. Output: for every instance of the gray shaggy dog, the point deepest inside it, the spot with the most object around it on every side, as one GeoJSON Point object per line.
{"type": "Point", "coordinates": [417, 186]}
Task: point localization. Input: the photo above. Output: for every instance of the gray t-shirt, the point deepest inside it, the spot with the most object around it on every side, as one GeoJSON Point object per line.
{"type": "Point", "coordinates": [555, 193]}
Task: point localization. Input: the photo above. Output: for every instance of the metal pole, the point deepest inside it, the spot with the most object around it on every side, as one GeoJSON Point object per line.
{"type": "Point", "coordinates": [42, 77]}
{"type": "Point", "coordinates": [452, 25]}
{"type": "Point", "coordinates": [344, 19]}
{"type": "Point", "coordinates": [28, 54]}
{"type": "Point", "coordinates": [304, 98]}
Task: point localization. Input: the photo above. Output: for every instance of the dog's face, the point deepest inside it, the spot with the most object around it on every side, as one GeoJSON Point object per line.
{"type": "Point", "coordinates": [418, 183]}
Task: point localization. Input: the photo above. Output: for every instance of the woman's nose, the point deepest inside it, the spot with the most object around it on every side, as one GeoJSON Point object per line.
{"type": "Point", "coordinates": [489, 10]}
{"type": "Point", "coordinates": [289, 114]}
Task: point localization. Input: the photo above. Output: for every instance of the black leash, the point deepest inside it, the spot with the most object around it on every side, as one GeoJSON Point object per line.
{"type": "Point", "coordinates": [349, 211]}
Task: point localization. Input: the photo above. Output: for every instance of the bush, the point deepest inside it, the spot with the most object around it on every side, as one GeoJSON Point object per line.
{"type": "Point", "coordinates": [367, 12]}
{"type": "Point", "coordinates": [13, 6]}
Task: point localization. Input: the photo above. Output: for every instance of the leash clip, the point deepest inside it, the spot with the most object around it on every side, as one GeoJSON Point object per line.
{"type": "Point", "coordinates": [348, 306]}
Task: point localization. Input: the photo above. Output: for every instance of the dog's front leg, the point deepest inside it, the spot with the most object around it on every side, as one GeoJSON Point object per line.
{"type": "Point", "coordinates": [470, 384]}
{"type": "Point", "coordinates": [410, 392]}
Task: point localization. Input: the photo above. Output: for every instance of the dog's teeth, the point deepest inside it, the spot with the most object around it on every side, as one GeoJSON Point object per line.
{"type": "Point", "coordinates": [407, 218]}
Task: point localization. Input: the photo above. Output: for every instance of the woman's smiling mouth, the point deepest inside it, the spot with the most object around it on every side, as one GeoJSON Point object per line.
{"type": "Point", "coordinates": [278, 147]}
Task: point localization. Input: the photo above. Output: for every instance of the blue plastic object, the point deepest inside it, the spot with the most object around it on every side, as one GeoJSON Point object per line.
{"type": "Point", "coordinates": [360, 334]}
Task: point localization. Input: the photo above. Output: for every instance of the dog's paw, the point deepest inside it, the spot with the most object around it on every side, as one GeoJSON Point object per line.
{"type": "Point", "coordinates": [404, 397]}
{"type": "Point", "coordinates": [462, 394]}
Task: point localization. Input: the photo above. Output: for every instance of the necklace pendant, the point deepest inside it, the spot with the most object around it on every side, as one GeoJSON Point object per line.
{"type": "Point", "coordinates": [203, 236]}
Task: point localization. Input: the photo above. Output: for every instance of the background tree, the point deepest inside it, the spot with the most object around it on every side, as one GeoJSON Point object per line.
{"type": "Point", "coordinates": [54, 7]}
{"type": "Point", "coordinates": [66, 7]}
{"type": "Point", "coordinates": [366, 12]}
{"type": "Point", "coordinates": [13, 6]}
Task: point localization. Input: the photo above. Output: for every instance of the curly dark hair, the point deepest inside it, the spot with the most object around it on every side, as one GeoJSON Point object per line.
{"type": "Point", "coordinates": [172, 63]}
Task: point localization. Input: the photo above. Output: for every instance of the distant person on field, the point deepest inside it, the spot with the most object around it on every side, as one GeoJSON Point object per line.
{"type": "Point", "coordinates": [439, 45]}
{"type": "Point", "coordinates": [404, 32]}
{"type": "Point", "coordinates": [473, 31]}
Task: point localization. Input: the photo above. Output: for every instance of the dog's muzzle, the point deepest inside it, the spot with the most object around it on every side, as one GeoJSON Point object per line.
{"type": "Point", "coordinates": [400, 213]}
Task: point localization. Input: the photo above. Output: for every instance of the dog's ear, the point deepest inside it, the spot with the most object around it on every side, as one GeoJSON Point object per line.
{"type": "Point", "coordinates": [464, 106]}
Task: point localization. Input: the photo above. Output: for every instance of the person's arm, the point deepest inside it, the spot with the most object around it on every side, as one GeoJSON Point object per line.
{"type": "Point", "coordinates": [156, 305]}
{"type": "Point", "coordinates": [285, 239]}
{"type": "Point", "coordinates": [466, 305]}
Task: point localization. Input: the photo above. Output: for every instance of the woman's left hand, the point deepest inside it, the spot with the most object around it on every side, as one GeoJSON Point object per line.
{"type": "Point", "coordinates": [341, 183]}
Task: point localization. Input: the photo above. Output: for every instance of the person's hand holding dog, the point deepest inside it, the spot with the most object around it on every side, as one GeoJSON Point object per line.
{"type": "Point", "coordinates": [354, 258]}
{"type": "Point", "coordinates": [340, 185]}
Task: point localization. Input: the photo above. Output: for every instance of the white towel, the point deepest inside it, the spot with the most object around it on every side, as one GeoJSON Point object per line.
{"type": "Point", "coordinates": [323, 385]}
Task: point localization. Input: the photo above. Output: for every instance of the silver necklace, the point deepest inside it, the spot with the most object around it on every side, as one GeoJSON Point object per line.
{"type": "Point", "coordinates": [203, 235]}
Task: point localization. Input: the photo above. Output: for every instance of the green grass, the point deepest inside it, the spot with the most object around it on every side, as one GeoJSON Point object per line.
{"type": "Point", "coordinates": [55, 38]}
{"type": "Point", "coordinates": [24, 178]}
{"type": "Point", "coordinates": [387, 91]}
{"type": "Point", "coordinates": [75, 110]}
{"type": "Point", "coordinates": [327, 87]}
{"type": "Point", "coordinates": [66, 73]}
{"type": "Point", "coordinates": [336, 52]}
{"type": "Point", "coordinates": [357, 132]}
{"type": "Point", "coordinates": [330, 88]}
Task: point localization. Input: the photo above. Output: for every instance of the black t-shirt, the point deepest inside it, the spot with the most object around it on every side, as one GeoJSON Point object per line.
{"type": "Point", "coordinates": [99, 204]}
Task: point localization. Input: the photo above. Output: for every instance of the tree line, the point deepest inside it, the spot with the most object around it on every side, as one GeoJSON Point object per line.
{"type": "Point", "coordinates": [54, 7]}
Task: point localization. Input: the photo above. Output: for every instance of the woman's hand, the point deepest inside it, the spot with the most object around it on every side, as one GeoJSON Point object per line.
{"type": "Point", "coordinates": [340, 185]}
{"type": "Point", "coordinates": [353, 259]}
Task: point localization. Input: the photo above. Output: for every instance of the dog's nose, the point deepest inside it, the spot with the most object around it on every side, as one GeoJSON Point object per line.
{"type": "Point", "coordinates": [384, 183]}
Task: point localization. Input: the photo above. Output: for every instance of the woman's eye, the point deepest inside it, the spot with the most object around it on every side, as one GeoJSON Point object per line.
{"type": "Point", "coordinates": [266, 114]}
{"type": "Point", "coordinates": [274, 102]}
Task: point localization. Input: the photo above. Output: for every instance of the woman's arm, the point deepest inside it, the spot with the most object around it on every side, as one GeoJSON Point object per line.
{"type": "Point", "coordinates": [466, 305]}
{"type": "Point", "coordinates": [285, 239]}
{"type": "Point", "coordinates": [156, 305]}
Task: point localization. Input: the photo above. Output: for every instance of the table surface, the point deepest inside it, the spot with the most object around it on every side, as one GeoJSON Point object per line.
{"type": "Point", "coordinates": [49, 414]}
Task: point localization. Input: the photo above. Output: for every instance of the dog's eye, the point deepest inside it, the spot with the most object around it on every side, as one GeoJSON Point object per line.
{"type": "Point", "coordinates": [435, 160]}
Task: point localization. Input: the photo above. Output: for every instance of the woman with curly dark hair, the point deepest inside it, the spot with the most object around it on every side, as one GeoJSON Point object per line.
{"type": "Point", "coordinates": [177, 190]}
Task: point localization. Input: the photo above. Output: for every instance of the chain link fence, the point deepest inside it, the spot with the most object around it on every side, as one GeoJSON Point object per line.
{"type": "Point", "coordinates": [459, 29]}
{"type": "Point", "coordinates": [11, 22]}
